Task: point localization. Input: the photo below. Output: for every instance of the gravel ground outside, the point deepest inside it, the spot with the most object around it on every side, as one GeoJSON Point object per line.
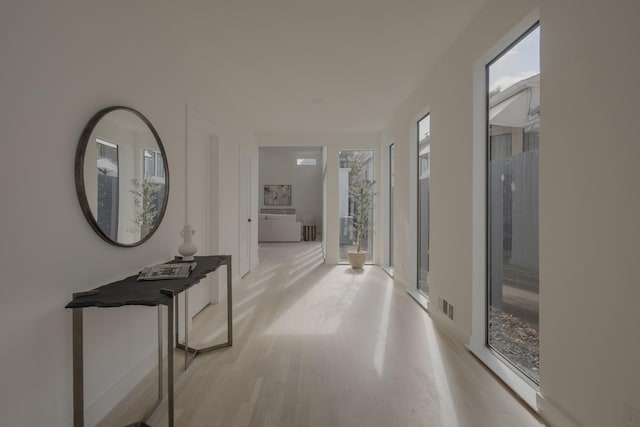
{"type": "Point", "coordinates": [517, 340]}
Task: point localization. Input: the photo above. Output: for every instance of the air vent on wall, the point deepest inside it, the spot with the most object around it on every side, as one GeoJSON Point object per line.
{"type": "Point", "coordinates": [447, 308]}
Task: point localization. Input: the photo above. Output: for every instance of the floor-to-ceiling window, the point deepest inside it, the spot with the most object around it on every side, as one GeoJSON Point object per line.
{"type": "Point", "coordinates": [513, 135]}
{"type": "Point", "coordinates": [424, 173]}
{"type": "Point", "coordinates": [108, 188]}
{"type": "Point", "coordinates": [392, 184]}
{"type": "Point", "coordinates": [356, 171]}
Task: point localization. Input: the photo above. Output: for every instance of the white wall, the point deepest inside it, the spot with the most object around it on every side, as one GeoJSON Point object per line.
{"type": "Point", "coordinates": [63, 63]}
{"type": "Point", "coordinates": [278, 166]}
{"type": "Point", "coordinates": [589, 208]}
{"type": "Point", "coordinates": [445, 93]}
{"type": "Point", "coordinates": [589, 203]}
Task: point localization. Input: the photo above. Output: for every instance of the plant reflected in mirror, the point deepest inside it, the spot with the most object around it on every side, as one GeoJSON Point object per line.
{"type": "Point", "coordinates": [122, 178]}
{"type": "Point", "coordinates": [147, 204]}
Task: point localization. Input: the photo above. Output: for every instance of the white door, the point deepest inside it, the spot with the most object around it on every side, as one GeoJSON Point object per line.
{"type": "Point", "coordinates": [244, 239]}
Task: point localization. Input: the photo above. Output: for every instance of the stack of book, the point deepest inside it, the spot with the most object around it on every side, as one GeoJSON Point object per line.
{"type": "Point", "coordinates": [167, 271]}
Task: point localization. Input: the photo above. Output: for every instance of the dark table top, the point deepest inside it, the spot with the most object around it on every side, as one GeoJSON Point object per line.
{"type": "Point", "coordinates": [130, 291]}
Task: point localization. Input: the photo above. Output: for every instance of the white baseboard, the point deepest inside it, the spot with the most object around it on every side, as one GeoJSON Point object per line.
{"type": "Point", "coordinates": [103, 404]}
{"type": "Point", "coordinates": [399, 282]}
{"type": "Point", "coordinates": [553, 414]}
{"type": "Point", "coordinates": [444, 323]}
{"type": "Point", "coordinates": [420, 298]}
{"type": "Point", "coordinates": [516, 381]}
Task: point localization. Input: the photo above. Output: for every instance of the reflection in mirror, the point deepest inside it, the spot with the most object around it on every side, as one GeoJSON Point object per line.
{"type": "Point", "coordinates": [121, 176]}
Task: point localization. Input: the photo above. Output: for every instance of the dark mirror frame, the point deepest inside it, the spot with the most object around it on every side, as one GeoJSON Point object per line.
{"type": "Point", "coordinates": [79, 174]}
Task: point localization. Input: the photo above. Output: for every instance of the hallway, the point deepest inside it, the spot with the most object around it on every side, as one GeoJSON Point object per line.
{"type": "Point", "coordinates": [318, 345]}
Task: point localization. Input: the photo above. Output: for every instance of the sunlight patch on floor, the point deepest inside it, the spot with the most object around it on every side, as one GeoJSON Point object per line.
{"type": "Point", "coordinates": [321, 309]}
{"type": "Point", "coordinates": [383, 329]}
{"type": "Point", "coordinates": [221, 331]}
{"type": "Point", "coordinates": [249, 300]}
{"type": "Point", "coordinates": [265, 277]}
{"type": "Point", "coordinates": [441, 376]}
{"type": "Point", "coordinates": [302, 270]}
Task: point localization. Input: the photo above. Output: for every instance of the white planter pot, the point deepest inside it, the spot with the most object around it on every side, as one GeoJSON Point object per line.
{"type": "Point", "coordinates": [357, 259]}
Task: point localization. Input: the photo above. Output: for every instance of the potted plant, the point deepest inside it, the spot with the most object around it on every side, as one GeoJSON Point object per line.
{"type": "Point", "coordinates": [361, 196]}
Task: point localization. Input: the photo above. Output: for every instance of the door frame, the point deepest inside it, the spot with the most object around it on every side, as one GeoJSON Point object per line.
{"type": "Point", "coordinates": [245, 211]}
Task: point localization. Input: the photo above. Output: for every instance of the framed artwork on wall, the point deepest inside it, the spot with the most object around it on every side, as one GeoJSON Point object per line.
{"type": "Point", "coordinates": [277, 195]}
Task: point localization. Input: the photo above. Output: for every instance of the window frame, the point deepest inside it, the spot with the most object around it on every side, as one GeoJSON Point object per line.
{"type": "Point", "coordinates": [524, 388]}
{"type": "Point", "coordinates": [419, 175]}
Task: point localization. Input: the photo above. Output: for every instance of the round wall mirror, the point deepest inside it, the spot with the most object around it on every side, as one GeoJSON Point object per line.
{"type": "Point", "coordinates": [122, 176]}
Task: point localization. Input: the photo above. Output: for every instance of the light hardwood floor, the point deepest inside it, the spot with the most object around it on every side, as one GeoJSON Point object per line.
{"type": "Point", "coordinates": [318, 345]}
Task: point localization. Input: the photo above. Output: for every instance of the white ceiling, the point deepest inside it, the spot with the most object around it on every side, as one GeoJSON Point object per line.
{"type": "Point", "coordinates": [327, 65]}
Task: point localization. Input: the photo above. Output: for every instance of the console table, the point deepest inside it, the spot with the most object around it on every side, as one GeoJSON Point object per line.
{"type": "Point", "coordinates": [129, 291]}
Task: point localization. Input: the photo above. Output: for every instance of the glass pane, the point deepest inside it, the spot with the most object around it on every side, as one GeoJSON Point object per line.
{"type": "Point", "coordinates": [108, 188]}
{"type": "Point", "coordinates": [306, 162]}
{"type": "Point", "coordinates": [149, 164]}
{"type": "Point", "coordinates": [356, 202]}
{"type": "Point", "coordinates": [513, 129]}
{"type": "Point", "coordinates": [424, 127]}
{"type": "Point", "coordinates": [424, 175]}
{"type": "Point", "coordinates": [159, 165]}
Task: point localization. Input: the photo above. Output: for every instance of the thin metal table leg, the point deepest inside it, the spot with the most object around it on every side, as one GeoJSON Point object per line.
{"type": "Point", "coordinates": [170, 361]}
{"type": "Point", "coordinates": [177, 314]}
{"type": "Point", "coordinates": [78, 369]}
{"type": "Point", "coordinates": [187, 357]}
{"type": "Point", "coordinates": [229, 304]}
{"type": "Point", "coordinates": [158, 401]}
{"type": "Point", "coordinates": [160, 367]}
{"type": "Point", "coordinates": [186, 329]}
{"type": "Point", "coordinates": [229, 342]}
